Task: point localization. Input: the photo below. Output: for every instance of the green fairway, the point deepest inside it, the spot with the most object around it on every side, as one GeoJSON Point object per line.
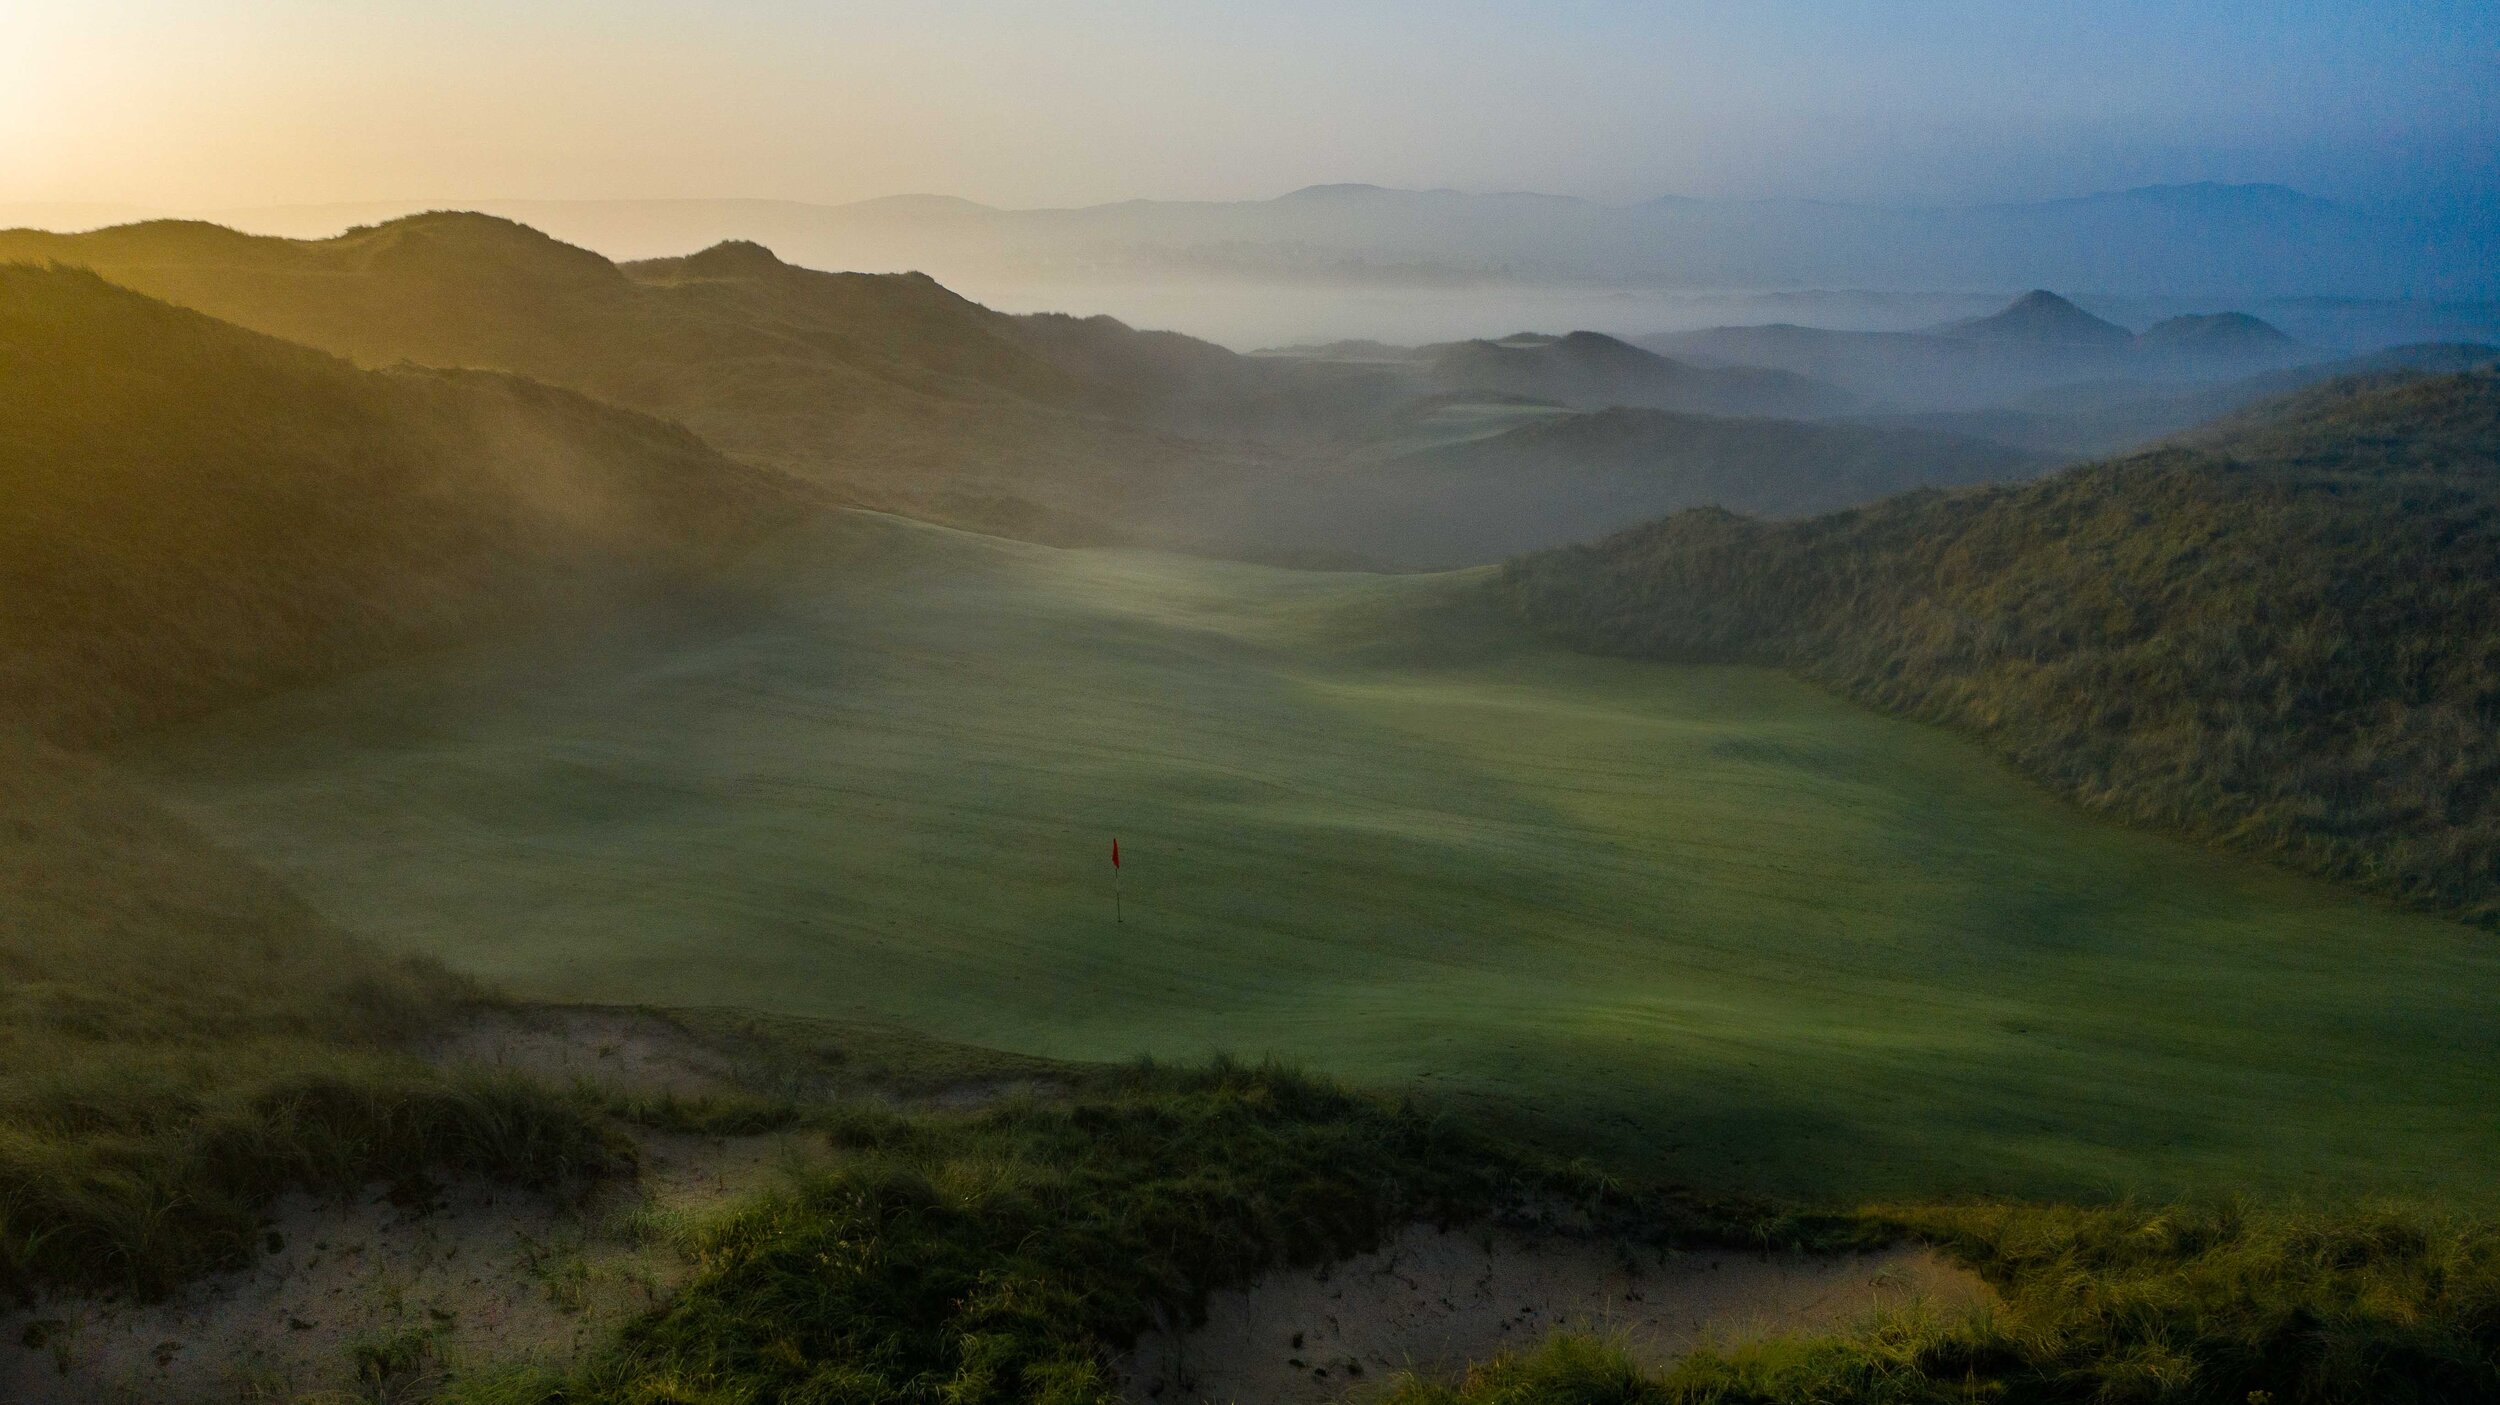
{"type": "Point", "coordinates": [1707, 913]}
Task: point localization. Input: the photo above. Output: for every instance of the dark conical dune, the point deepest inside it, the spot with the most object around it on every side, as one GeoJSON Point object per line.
{"type": "Point", "coordinates": [2043, 316]}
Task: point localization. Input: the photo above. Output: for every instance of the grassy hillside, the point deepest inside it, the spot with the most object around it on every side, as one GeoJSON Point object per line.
{"type": "Point", "coordinates": [181, 1038]}
{"type": "Point", "coordinates": [1709, 916]}
{"type": "Point", "coordinates": [1506, 478]}
{"type": "Point", "coordinates": [888, 387]}
{"type": "Point", "coordinates": [194, 512]}
{"type": "Point", "coordinates": [2280, 633]}
{"type": "Point", "coordinates": [898, 394]}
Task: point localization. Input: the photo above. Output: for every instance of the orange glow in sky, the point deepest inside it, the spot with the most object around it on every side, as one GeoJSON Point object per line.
{"type": "Point", "coordinates": [224, 103]}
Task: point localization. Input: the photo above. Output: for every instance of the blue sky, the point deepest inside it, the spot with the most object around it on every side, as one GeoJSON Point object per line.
{"type": "Point", "coordinates": [235, 102]}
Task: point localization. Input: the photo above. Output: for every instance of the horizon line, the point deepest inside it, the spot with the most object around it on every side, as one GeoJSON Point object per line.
{"type": "Point", "coordinates": [175, 210]}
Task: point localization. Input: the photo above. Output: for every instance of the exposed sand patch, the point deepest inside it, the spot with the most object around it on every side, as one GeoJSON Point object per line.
{"type": "Point", "coordinates": [383, 1297]}
{"type": "Point", "coordinates": [646, 1053]}
{"type": "Point", "coordinates": [461, 1275]}
{"type": "Point", "coordinates": [471, 1275]}
{"type": "Point", "coordinates": [1432, 1302]}
{"type": "Point", "coordinates": [630, 1051]}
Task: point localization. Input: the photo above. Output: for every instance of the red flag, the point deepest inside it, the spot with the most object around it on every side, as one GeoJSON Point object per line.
{"type": "Point", "coordinates": [1115, 853]}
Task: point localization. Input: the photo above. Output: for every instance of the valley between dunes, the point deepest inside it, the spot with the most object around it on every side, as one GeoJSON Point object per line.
{"type": "Point", "coordinates": [1711, 913]}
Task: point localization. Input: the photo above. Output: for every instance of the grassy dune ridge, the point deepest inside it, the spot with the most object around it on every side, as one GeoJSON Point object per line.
{"type": "Point", "coordinates": [196, 513]}
{"type": "Point", "coordinates": [892, 392]}
{"type": "Point", "coordinates": [1710, 914]}
{"type": "Point", "coordinates": [2279, 633]}
{"type": "Point", "coordinates": [888, 389]}
{"type": "Point", "coordinates": [191, 514]}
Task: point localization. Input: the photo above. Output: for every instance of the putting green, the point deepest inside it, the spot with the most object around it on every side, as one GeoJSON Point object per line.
{"type": "Point", "coordinates": [1706, 914]}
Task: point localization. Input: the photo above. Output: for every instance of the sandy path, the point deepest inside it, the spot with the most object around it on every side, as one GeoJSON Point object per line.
{"type": "Point", "coordinates": [630, 1051]}
{"type": "Point", "coordinates": [1432, 1302]}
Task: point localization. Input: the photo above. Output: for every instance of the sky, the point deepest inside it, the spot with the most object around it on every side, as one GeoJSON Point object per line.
{"type": "Point", "coordinates": [213, 104]}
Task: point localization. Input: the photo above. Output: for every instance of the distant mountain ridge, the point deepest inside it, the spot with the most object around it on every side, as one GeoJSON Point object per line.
{"type": "Point", "coordinates": [2037, 341]}
{"type": "Point", "coordinates": [2197, 240]}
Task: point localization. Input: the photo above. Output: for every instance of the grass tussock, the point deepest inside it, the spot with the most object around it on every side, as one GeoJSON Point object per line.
{"type": "Point", "coordinates": [2176, 1306]}
{"type": "Point", "coordinates": [2280, 634]}
{"type": "Point", "coordinates": [139, 1177]}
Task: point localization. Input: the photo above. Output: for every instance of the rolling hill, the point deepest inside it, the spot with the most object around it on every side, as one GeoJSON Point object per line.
{"type": "Point", "coordinates": [2279, 633]}
{"type": "Point", "coordinates": [893, 393]}
{"type": "Point", "coordinates": [887, 388]}
{"type": "Point", "coordinates": [196, 512]}
{"type": "Point", "coordinates": [1592, 371]}
{"type": "Point", "coordinates": [1540, 477]}
{"type": "Point", "coordinates": [2038, 342]}
{"type": "Point", "coordinates": [2217, 336]}
{"type": "Point", "coordinates": [2090, 419]}
{"type": "Point", "coordinates": [1770, 467]}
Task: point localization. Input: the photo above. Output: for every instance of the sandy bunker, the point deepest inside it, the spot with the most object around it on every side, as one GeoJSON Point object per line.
{"type": "Point", "coordinates": [1432, 1302]}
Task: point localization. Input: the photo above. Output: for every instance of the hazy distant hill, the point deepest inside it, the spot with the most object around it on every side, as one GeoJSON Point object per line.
{"type": "Point", "coordinates": [1181, 385]}
{"type": "Point", "coordinates": [1560, 477]}
{"type": "Point", "coordinates": [195, 511]}
{"type": "Point", "coordinates": [2281, 633]}
{"type": "Point", "coordinates": [2039, 341]}
{"type": "Point", "coordinates": [1774, 467]}
{"type": "Point", "coordinates": [2088, 418]}
{"type": "Point", "coordinates": [1591, 371]}
{"type": "Point", "coordinates": [2244, 241]}
{"type": "Point", "coordinates": [888, 387]}
{"type": "Point", "coordinates": [2044, 318]}
{"type": "Point", "coordinates": [2219, 336]}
